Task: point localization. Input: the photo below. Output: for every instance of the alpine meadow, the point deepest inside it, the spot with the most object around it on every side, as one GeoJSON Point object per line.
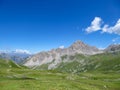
{"type": "Point", "coordinates": [59, 45]}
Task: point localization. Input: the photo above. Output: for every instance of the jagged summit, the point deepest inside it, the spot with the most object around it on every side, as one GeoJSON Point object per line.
{"type": "Point", "coordinates": [78, 42]}
{"type": "Point", "coordinates": [77, 47]}
{"type": "Point", "coordinates": [81, 47]}
{"type": "Point", "coordinates": [113, 47]}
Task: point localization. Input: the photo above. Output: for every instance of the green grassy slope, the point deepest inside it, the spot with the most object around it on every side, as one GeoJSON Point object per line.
{"type": "Point", "coordinates": [98, 72]}
{"type": "Point", "coordinates": [4, 64]}
{"type": "Point", "coordinates": [106, 62]}
{"type": "Point", "coordinates": [25, 79]}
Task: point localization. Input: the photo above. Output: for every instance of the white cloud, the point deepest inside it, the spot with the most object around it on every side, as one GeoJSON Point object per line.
{"type": "Point", "coordinates": [62, 47]}
{"type": "Point", "coordinates": [3, 51]}
{"type": "Point", "coordinates": [112, 29]}
{"type": "Point", "coordinates": [22, 51]}
{"type": "Point", "coordinates": [101, 48]}
{"type": "Point", "coordinates": [115, 39]}
{"type": "Point", "coordinates": [15, 51]}
{"type": "Point", "coordinates": [95, 25]}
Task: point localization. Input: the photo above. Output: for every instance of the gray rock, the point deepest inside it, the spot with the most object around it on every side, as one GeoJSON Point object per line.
{"type": "Point", "coordinates": [54, 56]}
{"type": "Point", "coordinates": [113, 48]}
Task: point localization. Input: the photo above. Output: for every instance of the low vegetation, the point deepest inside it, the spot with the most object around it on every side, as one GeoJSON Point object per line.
{"type": "Point", "coordinates": [97, 72]}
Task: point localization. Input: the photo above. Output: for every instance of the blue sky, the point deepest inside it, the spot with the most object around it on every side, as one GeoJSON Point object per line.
{"type": "Point", "coordinates": [38, 25]}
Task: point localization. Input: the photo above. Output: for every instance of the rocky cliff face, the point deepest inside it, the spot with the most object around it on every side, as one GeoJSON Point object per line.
{"type": "Point", "coordinates": [55, 54]}
{"type": "Point", "coordinates": [113, 48]}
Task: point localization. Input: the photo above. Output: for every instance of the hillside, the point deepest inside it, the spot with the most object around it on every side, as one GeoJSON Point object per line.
{"type": "Point", "coordinates": [15, 78]}
{"type": "Point", "coordinates": [100, 71]}
{"type": "Point", "coordinates": [106, 62]}
{"type": "Point", "coordinates": [83, 63]}
{"type": "Point", "coordinates": [8, 64]}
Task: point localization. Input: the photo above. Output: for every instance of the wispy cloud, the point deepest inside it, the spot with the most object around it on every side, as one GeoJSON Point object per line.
{"type": "Point", "coordinates": [101, 48]}
{"type": "Point", "coordinates": [22, 51]}
{"type": "Point", "coordinates": [62, 47]}
{"type": "Point", "coordinates": [112, 29]}
{"type": "Point", "coordinates": [116, 39]}
{"type": "Point", "coordinates": [15, 51]}
{"type": "Point", "coordinates": [96, 25]}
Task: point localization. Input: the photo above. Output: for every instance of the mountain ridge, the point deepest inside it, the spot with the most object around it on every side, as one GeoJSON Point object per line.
{"type": "Point", "coordinates": [14, 56]}
{"type": "Point", "coordinates": [77, 47]}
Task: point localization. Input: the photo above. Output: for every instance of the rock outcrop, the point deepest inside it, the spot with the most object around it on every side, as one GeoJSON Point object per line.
{"type": "Point", "coordinates": [77, 47]}
{"type": "Point", "coordinates": [113, 48]}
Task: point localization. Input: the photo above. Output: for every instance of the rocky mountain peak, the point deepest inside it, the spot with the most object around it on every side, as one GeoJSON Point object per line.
{"type": "Point", "coordinates": [113, 47]}
{"type": "Point", "coordinates": [81, 47]}
{"type": "Point", "coordinates": [77, 47]}
{"type": "Point", "coordinates": [78, 44]}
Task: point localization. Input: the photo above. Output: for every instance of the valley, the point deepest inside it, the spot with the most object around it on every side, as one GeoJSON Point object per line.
{"type": "Point", "coordinates": [96, 72]}
{"type": "Point", "coordinates": [59, 44]}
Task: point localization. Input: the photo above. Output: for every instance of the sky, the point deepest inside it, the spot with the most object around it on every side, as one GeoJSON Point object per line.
{"type": "Point", "coordinates": [38, 25]}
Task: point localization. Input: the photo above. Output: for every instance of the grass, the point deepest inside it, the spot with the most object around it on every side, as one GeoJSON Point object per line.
{"type": "Point", "coordinates": [106, 62]}
{"type": "Point", "coordinates": [25, 79]}
{"type": "Point", "coordinates": [97, 72]}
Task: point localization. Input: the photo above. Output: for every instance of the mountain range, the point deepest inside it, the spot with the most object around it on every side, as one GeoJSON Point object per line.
{"type": "Point", "coordinates": [78, 67]}
{"type": "Point", "coordinates": [17, 57]}
{"type": "Point", "coordinates": [55, 57]}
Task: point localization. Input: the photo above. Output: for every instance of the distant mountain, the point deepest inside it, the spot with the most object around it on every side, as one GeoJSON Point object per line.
{"type": "Point", "coordinates": [55, 55]}
{"type": "Point", "coordinates": [79, 57]}
{"type": "Point", "coordinates": [17, 57]}
{"type": "Point", "coordinates": [113, 48]}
